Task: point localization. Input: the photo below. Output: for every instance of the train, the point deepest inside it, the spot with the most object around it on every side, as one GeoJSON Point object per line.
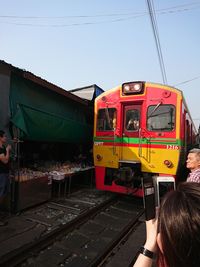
{"type": "Point", "coordinates": [141, 130]}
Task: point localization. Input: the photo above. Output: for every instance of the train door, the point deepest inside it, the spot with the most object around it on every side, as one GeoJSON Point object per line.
{"type": "Point", "coordinates": [130, 132]}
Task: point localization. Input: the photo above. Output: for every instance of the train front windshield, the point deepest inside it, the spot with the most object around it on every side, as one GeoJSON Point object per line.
{"type": "Point", "coordinates": [106, 119]}
{"type": "Point", "coordinates": [161, 118]}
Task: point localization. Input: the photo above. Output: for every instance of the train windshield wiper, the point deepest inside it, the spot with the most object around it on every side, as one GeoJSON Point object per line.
{"type": "Point", "coordinates": [108, 118]}
{"type": "Point", "coordinates": [156, 107]}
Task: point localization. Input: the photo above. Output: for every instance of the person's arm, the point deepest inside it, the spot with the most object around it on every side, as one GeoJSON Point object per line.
{"type": "Point", "coordinates": [143, 261]}
{"type": "Point", "coordinates": [5, 158]}
{"type": "Point", "coordinates": [150, 244]}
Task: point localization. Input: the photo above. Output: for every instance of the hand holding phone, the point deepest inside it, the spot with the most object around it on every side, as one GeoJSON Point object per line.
{"type": "Point", "coordinates": [153, 191]}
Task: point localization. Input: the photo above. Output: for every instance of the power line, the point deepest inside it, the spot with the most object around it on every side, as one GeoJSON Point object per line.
{"type": "Point", "coordinates": [72, 16]}
{"type": "Point", "coordinates": [156, 37]}
{"type": "Point", "coordinates": [187, 81]}
{"type": "Point", "coordinates": [177, 8]}
{"type": "Point", "coordinates": [72, 24]}
{"type": "Point", "coordinates": [131, 15]}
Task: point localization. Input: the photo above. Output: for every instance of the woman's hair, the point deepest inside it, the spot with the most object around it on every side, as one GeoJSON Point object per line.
{"type": "Point", "coordinates": [179, 227]}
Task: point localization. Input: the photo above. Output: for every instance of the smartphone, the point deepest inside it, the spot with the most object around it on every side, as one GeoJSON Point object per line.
{"type": "Point", "coordinates": [164, 184]}
{"type": "Point", "coordinates": [148, 199]}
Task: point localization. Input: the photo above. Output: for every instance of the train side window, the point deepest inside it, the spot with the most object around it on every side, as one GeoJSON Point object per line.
{"type": "Point", "coordinates": [188, 136]}
{"type": "Point", "coordinates": [106, 119]}
{"type": "Point", "coordinates": [161, 118]}
{"type": "Point", "coordinates": [132, 120]}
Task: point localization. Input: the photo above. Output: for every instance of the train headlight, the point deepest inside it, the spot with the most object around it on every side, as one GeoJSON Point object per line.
{"type": "Point", "coordinates": [168, 163]}
{"type": "Point", "coordinates": [99, 157]}
{"type": "Point", "coordinates": [132, 88]}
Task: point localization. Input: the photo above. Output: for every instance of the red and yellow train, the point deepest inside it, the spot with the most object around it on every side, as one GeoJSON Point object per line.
{"type": "Point", "coordinates": [141, 130]}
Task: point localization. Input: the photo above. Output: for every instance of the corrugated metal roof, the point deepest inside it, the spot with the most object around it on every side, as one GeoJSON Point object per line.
{"type": "Point", "coordinates": [88, 92]}
{"type": "Point", "coordinates": [30, 76]}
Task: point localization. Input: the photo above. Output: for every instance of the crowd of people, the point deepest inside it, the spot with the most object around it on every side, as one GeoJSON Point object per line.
{"type": "Point", "coordinates": [173, 237]}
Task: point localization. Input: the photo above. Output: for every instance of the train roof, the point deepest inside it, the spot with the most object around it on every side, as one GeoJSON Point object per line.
{"type": "Point", "coordinates": [169, 87]}
{"type": "Point", "coordinates": [147, 83]}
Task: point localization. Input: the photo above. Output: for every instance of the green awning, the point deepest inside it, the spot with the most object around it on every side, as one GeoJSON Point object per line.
{"type": "Point", "coordinates": [44, 115]}
{"type": "Point", "coordinates": [42, 126]}
{"type": "Point", "coordinates": [19, 121]}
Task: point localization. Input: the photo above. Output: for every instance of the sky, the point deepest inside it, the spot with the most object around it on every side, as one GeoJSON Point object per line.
{"type": "Point", "coordinates": [76, 43]}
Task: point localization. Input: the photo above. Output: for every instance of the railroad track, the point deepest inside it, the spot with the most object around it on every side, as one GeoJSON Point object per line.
{"type": "Point", "coordinates": [92, 240]}
{"type": "Point", "coordinates": [36, 228]}
{"type": "Point", "coordinates": [86, 240]}
{"type": "Point", "coordinates": [125, 252]}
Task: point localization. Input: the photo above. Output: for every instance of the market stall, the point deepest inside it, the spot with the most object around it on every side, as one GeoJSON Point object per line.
{"type": "Point", "coordinates": [42, 175]}
{"type": "Point", "coordinates": [48, 126]}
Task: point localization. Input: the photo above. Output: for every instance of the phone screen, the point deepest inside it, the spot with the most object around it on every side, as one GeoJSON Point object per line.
{"type": "Point", "coordinates": [149, 201]}
{"type": "Point", "coordinates": [163, 188]}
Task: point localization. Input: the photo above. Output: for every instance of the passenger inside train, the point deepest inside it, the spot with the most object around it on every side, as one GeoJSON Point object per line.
{"type": "Point", "coordinates": [132, 119]}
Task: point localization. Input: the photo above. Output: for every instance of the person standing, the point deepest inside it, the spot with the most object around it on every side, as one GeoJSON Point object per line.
{"type": "Point", "coordinates": [4, 167]}
{"type": "Point", "coordinates": [173, 236]}
{"type": "Point", "coordinates": [193, 164]}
